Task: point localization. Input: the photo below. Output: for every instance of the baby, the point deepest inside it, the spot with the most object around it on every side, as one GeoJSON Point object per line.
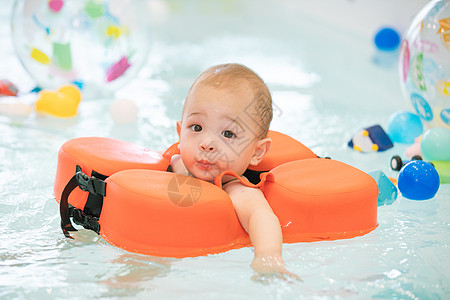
{"type": "Point", "coordinates": [224, 125]}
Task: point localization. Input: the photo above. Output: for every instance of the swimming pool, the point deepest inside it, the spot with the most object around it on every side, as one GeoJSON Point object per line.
{"type": "Point", "coordinates": [325, 86]}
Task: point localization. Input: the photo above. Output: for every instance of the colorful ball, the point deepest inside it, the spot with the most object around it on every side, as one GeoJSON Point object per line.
{"type": "Point", "coordinates": [387, 39]}
{"type": "Point", "coordinates": [435, 144]}
{"type": "Point", "coordinates": [418, 180]}
{"type": "Point", "coordinates": [123, 111]}
{"type": "Point", "coordinates": [97, 45]}
{"type": "Point", "coordinates": [424, 64]}
{"type": "Point", "coordinates": [443, 169]}
{"type": "Point", "coordinates": [404, 127]}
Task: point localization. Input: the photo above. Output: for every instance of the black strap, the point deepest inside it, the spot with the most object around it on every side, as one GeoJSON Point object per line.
{"type": "Point", "coordinates": [66, 225]}
{"type": "Point", "coordinates": [94, 186]}
{"type": "Point", "coordinates": [94, 202]}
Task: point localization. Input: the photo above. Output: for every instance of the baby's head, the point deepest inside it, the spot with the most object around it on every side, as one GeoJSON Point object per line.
{"type": "Point", "coordinates": [225, 120]}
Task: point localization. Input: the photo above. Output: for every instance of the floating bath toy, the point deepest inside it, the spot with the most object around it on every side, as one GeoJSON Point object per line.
{"type": "Point", "coordinates": [123, 192]}
{"type": "Point", "coordinates": [414, 149]}
{"type": "Point", "coordinates": [387, 39]}
{"type": "Point", "coordinates": [63, 103]}
{"type": "Point", "coordinates": [15, 106]}
{"type": "Point", "coordinates": [424, 64]}
{"type": "Point", "coordinates": [7, 88]}
{"type": "Point", "coordinates": [404, 127]}
{"type": "Point", "coordinates": [370, 139]}
{"type": "Point", "coordinates": [418, 180]}
{"type": "Point", "coordinates": [123, 111]}
{"type": "Point", "coordinates": [443, 169]}
{"type": "Point", "coordinates": [435, 144]}
{"type": "Point", "coordinates": [387, 191]}
{"type": "Point", "coordinates": [397, 163]}
{"type": "Point", "coordinates": [101, 44]}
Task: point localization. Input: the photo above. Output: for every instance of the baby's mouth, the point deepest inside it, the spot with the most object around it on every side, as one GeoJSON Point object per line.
{"type": "Point", "coordinates": [204, 164]}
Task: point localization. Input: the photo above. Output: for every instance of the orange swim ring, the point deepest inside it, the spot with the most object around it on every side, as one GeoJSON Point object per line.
{"type": "Point", "coordinates": [123, 192]}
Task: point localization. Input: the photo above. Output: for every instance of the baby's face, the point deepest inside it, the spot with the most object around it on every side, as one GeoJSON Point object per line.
{"type": "Point", "coordinates": [218, 130]}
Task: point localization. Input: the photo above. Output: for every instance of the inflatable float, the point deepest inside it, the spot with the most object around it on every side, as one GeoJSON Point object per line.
{"type": "Point", "coordinates": [123, 192]}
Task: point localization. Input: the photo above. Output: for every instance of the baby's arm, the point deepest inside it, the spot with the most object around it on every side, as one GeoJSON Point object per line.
{"type": "Point", "coordinates": [258, 219]}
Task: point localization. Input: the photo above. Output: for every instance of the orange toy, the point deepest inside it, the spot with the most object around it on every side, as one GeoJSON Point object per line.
{"type": "Point", "coordinates": [138, 206]}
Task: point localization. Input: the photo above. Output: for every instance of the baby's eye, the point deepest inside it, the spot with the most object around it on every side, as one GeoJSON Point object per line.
{"type": "Point", "coordinates": [196, 128]}
{"type": "Point", "coordinates": [228, 134]}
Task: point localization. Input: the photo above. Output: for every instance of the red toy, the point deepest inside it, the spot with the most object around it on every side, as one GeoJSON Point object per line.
{"type": "Point", "coordinates": [7, 88]}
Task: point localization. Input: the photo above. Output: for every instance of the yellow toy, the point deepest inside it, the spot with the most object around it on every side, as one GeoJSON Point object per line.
{"type": "Point", "coordinates": [63, 103]}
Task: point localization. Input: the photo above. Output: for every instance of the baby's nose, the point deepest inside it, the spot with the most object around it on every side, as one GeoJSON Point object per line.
{"type": "Point", "coordinates": [208, 146]}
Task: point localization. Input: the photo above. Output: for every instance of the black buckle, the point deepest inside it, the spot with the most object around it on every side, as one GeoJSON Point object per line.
{"type": "Point", "coordinates": [87, 221]}
{"type": "Point", "coordinates": [90, 184]}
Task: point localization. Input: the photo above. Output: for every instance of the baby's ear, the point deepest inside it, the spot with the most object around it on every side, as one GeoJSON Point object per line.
{"type": "Point", "coordinates": [178, 128]}
{"type": "Point", "coordinates": [261, 149]}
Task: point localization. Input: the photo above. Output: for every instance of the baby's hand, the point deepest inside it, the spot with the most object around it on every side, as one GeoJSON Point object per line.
{"type": "Point", "coordinates": [272, 265]}
{"type": "Point", "coordinates": [178, 165]}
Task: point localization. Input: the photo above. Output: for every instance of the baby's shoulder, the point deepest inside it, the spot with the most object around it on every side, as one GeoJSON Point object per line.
{"type": "Point", "coordinates": [235, 185]}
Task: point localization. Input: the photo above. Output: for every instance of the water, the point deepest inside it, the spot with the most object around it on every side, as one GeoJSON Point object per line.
{"type": "Point", "coordinates": [325, 86]}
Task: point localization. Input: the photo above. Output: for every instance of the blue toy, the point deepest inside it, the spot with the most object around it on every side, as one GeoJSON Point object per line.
{"type": "Point", "coordinates": [387, 39]}
{"type": "Point", "coordinates": [418, 180]}
{"type": "Point", "coordinates": [370, 139]}
{"type": "Point", "coordinates": [397, 163]}
{"type": "Point", "coordinates": [387, 192]}
{"type": "Point", "coordinates": [404, 127]}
